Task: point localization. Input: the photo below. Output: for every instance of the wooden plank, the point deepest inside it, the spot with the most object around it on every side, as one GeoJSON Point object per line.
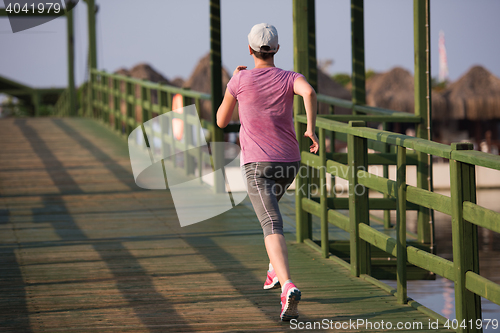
{"type": "Point", "coordinates": [377, 183]}
{"type": "Point", "coordinates": [374, 203]}
{"type": "Point", "coordinates": [481, 216]}
{"type": "Point", "coordinates": [482, 287]}
{"type": "Point", "coordinates": [377, 158]}
{"type": "Point", "coordinates": [84, 249]}
{"type": "Point", "coordinates": [431, 262]}
{"type": "Point", "coordinates": [477, 158]}
{"type": "Point", "coordinates": [378, 239]}
{"type": "Point", "coordinates": [396, 118]}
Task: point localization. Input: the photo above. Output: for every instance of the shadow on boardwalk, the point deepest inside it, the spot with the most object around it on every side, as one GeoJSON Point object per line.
{"type": "Point", "coordinates": [83, 248]}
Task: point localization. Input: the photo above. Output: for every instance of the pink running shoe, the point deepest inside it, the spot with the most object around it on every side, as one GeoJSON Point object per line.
{"type": "Point", "coordinates": [290, 298]}
{"type": "Point", "coordinates": [271, 281]}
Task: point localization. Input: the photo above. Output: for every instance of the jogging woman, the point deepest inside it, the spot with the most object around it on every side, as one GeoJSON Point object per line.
{"type": "Point", "coordinates": [270, 155]}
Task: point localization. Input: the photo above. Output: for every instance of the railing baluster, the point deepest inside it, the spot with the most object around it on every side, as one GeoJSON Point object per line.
{"type": "Point", "coordinates": [387, 213]}
{"type": "Point", "coordinates": [188, 159]}
{"type": "Point", "coordinates": [332, 150]}
{"type": "Point", "coordinates": [358, 202]}
{"type": "Point", "coordinates": [464, 233]}
{"type": "Point", "coordinates": [401, 225]}
{"type": "Point", "coordinates": [90, 98]}
{"type": "Point", "coordinates": [117, 104]}
{"type": "Point", "coordinates": [301, 188]}
{"type": "Point", "coordinates": [130, 102]}
{"type": "Point", "coordinates": [199, 133]}
{"type": "Point", "coordinates": [325, 245]}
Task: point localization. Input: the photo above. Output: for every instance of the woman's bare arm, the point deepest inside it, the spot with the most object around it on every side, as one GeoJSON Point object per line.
{"type": "Point", "coordinates": [303, 88]}
{"type": "Point", "coordinates": [226, 109]}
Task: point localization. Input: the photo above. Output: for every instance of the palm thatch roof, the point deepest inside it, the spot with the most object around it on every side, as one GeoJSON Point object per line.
{"type": "Point", "coordinates": [144, 71]}
{"type": "Point", "coordinates": [200, 80]}
{"type": "Point", "coordinates": [122, 71]}
{"type": "Point", "coordinates": [178, 82]}
{"type": "Point", "coordinates": [394, 90]}
{"type": "Point", "coordinates": [328, 86]}
{"type": "Point", "coordinates": [475, 96]}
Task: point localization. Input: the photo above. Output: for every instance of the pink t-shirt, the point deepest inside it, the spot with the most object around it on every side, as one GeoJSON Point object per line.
{"type": "Point", "coordinates": [265, 103]}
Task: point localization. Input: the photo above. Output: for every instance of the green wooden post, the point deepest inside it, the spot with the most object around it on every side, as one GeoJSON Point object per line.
{"type": "Point", "coordinates": [123, 98]}
{"type": "Point", "coordinates": [358, 52]}
{"type": "Point", "coordinates": [90, 93]}
{"type": "Point", "coordinates": [421, 12]}
{"type": "Point", "coordinates": [325, 245]}
{"type": "Point", "coordinates": [104, 98]}
{"type": "Point", "coordinates": [117, 105]}
{"type": "Point", "coordinates": [304, 59]}
{"type": "Point", "coordinates": [144, 99]}
{"type": "Point", "coordinates": [188, 159]}
{"type": "Point", "coordinates": [80, 105]}
{"type": "Point", "coordinates": [150, 103]}
{"type": "Point", "coordinates": [112, 102]}
{"type": "Point", "coordinates": [216, 84]}
{"type": "Point", "coordinates": [464, 238]}
{"type": "Point", "coordinates": [163, 125]}
{"type": "Point", "coordinates": [301, 191]}
{"type": "Point", "coordinates": [358, 202]}
{"type": "Point", "coordinates": [130, 107]}
{"type": "Point", "coordinates": [199, 133]}
{"type": "Point", "coordinates": [71, 63]}
{"type": "Point", "coordinates": [401, 225]}
{"type": "Point", "coordinates": [332, 151]}
{"type": "Point", "coordinates": [172, 137]}
{"type": "Point", "coordinates": [35, 97]}
{"type": "Point", "coordinates": [387, 213]}
{"type": "Point", "coordinates": [91, 12]}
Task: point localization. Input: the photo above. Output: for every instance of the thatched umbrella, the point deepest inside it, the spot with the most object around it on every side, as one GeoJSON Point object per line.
{"type": "Point", "coordinates": [144, 71]}
{"type": "Point", "coordinates": [394, 90]}
{"type": "Point", "coordinates": [368, 83]}
{"type": "Point", "coordinates": [178, 82]}
{"type": "Point", "coordinates": [328, 86]}
{"type": "Point", "coordinates": [122, 71]}
{"type": "Point", "coordinates": [200, 80]}
{"type": "Point", "coordinates": [475, 96]}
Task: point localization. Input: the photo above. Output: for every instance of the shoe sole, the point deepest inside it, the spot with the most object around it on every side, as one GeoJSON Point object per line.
{"type": "Point", "coordinates": [274, 285]}
{"type": "Point", "coordinates": [291, 312]}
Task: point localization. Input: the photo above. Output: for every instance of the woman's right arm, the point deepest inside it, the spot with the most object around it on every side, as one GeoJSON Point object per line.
{"type": "Point", "coordinates": [303, 88]}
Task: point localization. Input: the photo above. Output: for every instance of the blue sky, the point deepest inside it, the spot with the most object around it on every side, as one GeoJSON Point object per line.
{"type": "Point", "coordinates": [173, 35]}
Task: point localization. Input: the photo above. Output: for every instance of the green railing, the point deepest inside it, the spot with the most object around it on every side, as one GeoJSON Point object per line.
{"type": "Point", "coordinates": [125, 103]}
{"type": "Point", "coordinates": [387, 154]}
{"type": "Point", "coordinates": [461, 205]}
{"type": "Point", "coordinates": [62, 105]}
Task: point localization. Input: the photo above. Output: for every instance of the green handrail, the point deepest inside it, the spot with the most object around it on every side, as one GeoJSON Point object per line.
{"type": "Point", "coordinates": [461, 205]}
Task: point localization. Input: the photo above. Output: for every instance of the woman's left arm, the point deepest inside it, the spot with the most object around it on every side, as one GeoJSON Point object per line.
{"type": "Point", "coordinates": [226, 109]}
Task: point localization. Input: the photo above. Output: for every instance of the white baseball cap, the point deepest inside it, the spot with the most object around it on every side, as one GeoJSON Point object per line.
{"type": "Point", "coordinates": [263, 34]}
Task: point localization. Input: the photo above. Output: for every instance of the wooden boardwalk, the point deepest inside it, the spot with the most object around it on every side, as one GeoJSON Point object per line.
{"type": "Point", "coordinates": [82, 248]}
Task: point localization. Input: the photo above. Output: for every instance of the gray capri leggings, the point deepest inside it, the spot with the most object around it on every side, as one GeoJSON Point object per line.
{"type": "Point", "coordinates": [267, 182]}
